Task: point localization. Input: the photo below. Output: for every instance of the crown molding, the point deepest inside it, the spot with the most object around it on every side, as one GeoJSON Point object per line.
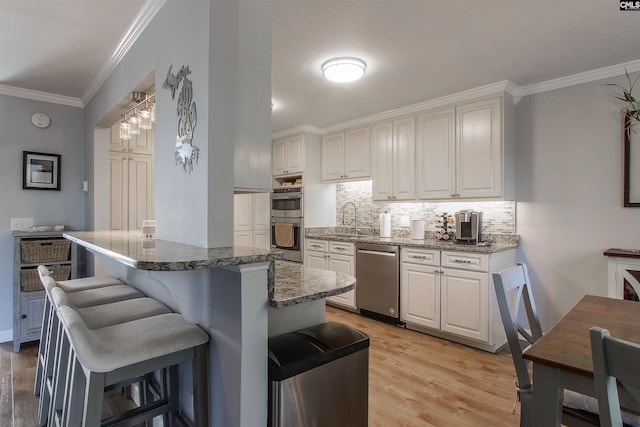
{"type": "Point", "coordinates": [295, 130]}
{"type": "Point", "coordinates": [139, 23]}
{"type": "Point", "coordinates": [586, 77]}
{"type": "Point", "coordinates": [40, 96]}
{"type": "Point", "coordinates": [490, 89]}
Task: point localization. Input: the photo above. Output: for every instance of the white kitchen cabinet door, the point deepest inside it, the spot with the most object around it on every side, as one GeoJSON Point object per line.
{"type": "Point", "coordinates": [465, 305]}
{"type": "Point", "coordinates": [357, 153]}
{"type": "Point", "coordinates": [141, 190]}
{"type": "Point", "coordinates": [261, 239]}
{"type": "Point", "coordinates": [333, 157]}
{"type": "Point", "coordinates": [261, 211]}
{"type": "Point", "coordinates": [243, 238]}
{"type": "Point", "coordinates": [142, 143]}
{"type": "Point", "coordinates": [420, 295]}
{"type": "Point", "coordinates": [404, 159]}
{"type": "Point", "coordinates": [382, 161]}
{"type": "Point", "coordinates": [279, 160]}
{"type": "Point", "coordinates": [242, 212]}
{"type": "Point", "coordinates": [314, 259]}
{"type": "Point", "coordinates": [118, 191]}
{"type": "Point", "coordinates": [479, 147]}
{"type": "Point", "coordinates": [436, 154]}
{"type": "Point", "coordinates": [345, 264]}
{"type": "Point", "coordinates": [288, 156]}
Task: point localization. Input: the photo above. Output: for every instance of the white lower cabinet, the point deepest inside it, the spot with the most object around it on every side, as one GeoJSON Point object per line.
{"type": "Point", "coordinates": [333, 256]}
{"type": "Point", "coordinates": [251, 220]}
{"type": "Point", "coordinates": [450, 294]}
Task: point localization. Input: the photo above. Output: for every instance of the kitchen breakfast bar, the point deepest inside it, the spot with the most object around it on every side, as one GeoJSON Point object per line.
{"type": "Point", "coordinates": [239, 295]}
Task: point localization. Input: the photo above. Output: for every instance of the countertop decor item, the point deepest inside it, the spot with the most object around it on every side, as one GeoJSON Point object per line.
{"type": "Point", "coordinates": [185, 152]}
{"type": "Point", "coordinates": [445, 226]}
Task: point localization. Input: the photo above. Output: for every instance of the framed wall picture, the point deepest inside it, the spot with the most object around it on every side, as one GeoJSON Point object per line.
{"type": "Point", "coordinates": [40, 171]}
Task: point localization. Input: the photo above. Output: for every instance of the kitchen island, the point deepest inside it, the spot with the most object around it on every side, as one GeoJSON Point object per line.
{"type": "Point", "coordinates": [239, 295]}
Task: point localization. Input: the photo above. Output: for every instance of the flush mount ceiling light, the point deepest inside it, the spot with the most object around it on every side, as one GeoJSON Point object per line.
{"type": "Point", "coordinates": [343, 70]}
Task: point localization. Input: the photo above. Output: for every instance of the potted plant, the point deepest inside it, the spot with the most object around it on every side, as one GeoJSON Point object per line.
{"type": "Point", "coordinates": [631, 106]}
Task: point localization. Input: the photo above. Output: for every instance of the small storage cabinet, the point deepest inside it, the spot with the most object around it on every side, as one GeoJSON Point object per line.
{"type": "Point", "coordinates": [31, 249]}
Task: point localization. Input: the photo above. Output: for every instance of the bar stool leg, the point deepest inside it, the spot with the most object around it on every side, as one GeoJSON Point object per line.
{"type": "Point", "coordinates": [74, 393]}
{"type": "Point", "coordinates": [59, 379]}
{"type": "Point", "coordinates": [93, 395]}
{"type": "Point", "coordinates": [200, 368]}
{"type": "Point", "coordinates": [49, 369]}
{"type": "Point", "coordinates": [44, 340]}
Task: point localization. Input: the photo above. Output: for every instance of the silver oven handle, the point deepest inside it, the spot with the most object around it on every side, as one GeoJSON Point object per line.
{"type": "Point", "coordinates": [292, 223]}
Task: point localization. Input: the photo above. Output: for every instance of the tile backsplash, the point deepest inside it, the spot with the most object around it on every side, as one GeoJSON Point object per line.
{"type": "Point", "coordinates": [497, 217]}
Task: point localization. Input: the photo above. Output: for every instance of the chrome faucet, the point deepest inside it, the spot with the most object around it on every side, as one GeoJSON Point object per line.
{"type": "Point", "coordinates": [355, 215]}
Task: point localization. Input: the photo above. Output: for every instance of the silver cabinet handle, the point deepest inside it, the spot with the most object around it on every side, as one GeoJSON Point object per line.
{"type": "Point", "coordinates": [461, 261]}
{"type": "Point", "coordinates": [418, 256]}
{"type": "Point", "coordinates": [340, 249]}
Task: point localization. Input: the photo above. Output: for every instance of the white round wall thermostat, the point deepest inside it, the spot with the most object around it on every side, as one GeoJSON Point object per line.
{"type": "Point", "coordinates": [40, 120]}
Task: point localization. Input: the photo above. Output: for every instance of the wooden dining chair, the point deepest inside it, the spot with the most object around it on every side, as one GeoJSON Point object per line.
{"type": "Point", "coordinates": [513, 292]}
{"type": "Point", "coordinates": [615, 364]}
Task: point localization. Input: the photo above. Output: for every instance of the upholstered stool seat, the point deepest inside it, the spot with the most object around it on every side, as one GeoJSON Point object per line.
{"type": "Point", "coordinates": [101, 357]}
{"type": "Point", "coordinates": [100, 316]}
{"type": "Point", "coordinates": [82, 284]}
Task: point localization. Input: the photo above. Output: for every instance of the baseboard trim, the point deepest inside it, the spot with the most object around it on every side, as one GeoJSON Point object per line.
{"type": "Point", "coordinates": [6, 335]}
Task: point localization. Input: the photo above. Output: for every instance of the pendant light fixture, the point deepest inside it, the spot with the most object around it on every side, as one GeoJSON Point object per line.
{"type": "Point", "coordinates": [140, 116]}
{"type": "Point", "coordinates": [134, 122]}
{"type": "Point", "coordinates": [125, 129]}
{"type": "Point", "coordinates": [343, 70]}
{"type": "Point", "coordinates": [145, 118]}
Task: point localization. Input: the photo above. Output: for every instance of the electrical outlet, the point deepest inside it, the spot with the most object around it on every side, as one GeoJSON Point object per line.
{"type": "Point", "coordinates": [21, 224]}
{"type": "Point", "coordinates": [404, 221]}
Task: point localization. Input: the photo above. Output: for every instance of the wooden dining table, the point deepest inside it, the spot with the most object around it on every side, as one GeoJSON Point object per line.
{"type": "Point", "coordinates": [562, 357]}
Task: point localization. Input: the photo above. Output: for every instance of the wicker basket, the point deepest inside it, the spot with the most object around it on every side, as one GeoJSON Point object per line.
{"type": "Point", "coordinates": [48, 250]}
{"type": "Point", "coordinates": [31, 279]}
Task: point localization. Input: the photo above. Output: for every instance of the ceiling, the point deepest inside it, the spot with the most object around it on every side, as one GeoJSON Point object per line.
{"type": "Point", "coordinates": [415, 50]}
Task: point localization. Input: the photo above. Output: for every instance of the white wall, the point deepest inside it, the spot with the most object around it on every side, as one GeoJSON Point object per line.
{"type": "Point", "coordinates": [569, 192]}
{"type": "Point", "coordinates": [17, 134]}
{"type": "Point", "coordinates": [197, 208]}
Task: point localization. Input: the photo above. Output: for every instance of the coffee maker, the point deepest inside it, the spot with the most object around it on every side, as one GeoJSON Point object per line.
{"type": "Point", "coordinates": [468, 225]}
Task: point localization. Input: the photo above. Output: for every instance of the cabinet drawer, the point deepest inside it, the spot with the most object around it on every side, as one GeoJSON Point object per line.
{"type": "Point", "coordinates": [420, 256]}
{"type": "Point", "coordinates": [316, 245]}
{"type": "Point", "coordinates": [466, 261]}
{"type": "Point", "coordinates": [341, 248]}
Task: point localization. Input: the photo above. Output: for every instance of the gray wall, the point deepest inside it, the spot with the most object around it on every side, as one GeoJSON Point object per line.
{"type": "Point", "coordinates": [569, 192]}
{"type": "Point", "coordinates": [17, 134]}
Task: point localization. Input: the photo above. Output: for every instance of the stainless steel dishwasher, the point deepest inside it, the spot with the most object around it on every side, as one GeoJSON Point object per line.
{"type": "Point", "coordinates": [378, 278]}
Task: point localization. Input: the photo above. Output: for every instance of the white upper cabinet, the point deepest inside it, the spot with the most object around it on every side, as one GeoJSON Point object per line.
{"type": "Point", "coordinates": [393, 160]}
{"type": "Point", "coordinates": [347, 156]}
{"type": "Point", "coordinates": [288, 156]}
{"type": "Point", "coordinates": [479, 146]}
{"type": "Point", "coordinates": [436, 149]}
{"type": "Point", "coordinates": [461, 152]}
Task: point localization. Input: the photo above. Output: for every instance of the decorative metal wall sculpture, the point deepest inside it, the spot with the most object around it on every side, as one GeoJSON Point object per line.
{"type": "Point", "coordinates": [185, 152]}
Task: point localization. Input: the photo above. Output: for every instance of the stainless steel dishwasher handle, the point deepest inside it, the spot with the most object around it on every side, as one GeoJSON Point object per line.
{"type": "Point", "coordinates": [363, 251]}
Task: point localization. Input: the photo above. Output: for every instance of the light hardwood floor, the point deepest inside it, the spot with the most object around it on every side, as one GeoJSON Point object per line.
{"type": "Point", "coordinates": [414, 380]}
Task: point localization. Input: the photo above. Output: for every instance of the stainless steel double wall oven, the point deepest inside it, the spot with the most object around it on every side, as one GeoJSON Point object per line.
{"type": "Point", "coordinates": [286, 210]}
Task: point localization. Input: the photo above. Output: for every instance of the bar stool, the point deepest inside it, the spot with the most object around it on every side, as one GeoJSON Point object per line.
{"type": "Point", "coordinates": [68, 286]}
{"type": "Point", "coordinates": [95, 317]}
{"type": "Point", "coordinates": [45, 371]}
{"type": "Point", "coordinates": [101, 357]}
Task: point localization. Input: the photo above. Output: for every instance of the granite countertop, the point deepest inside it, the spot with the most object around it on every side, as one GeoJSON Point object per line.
{"type": "Point", "coordinates": [486, 248]}
{"type": "Point", "coordinates": [295, 284]}
{"type": "Point", "coordinates": [132, 249]}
